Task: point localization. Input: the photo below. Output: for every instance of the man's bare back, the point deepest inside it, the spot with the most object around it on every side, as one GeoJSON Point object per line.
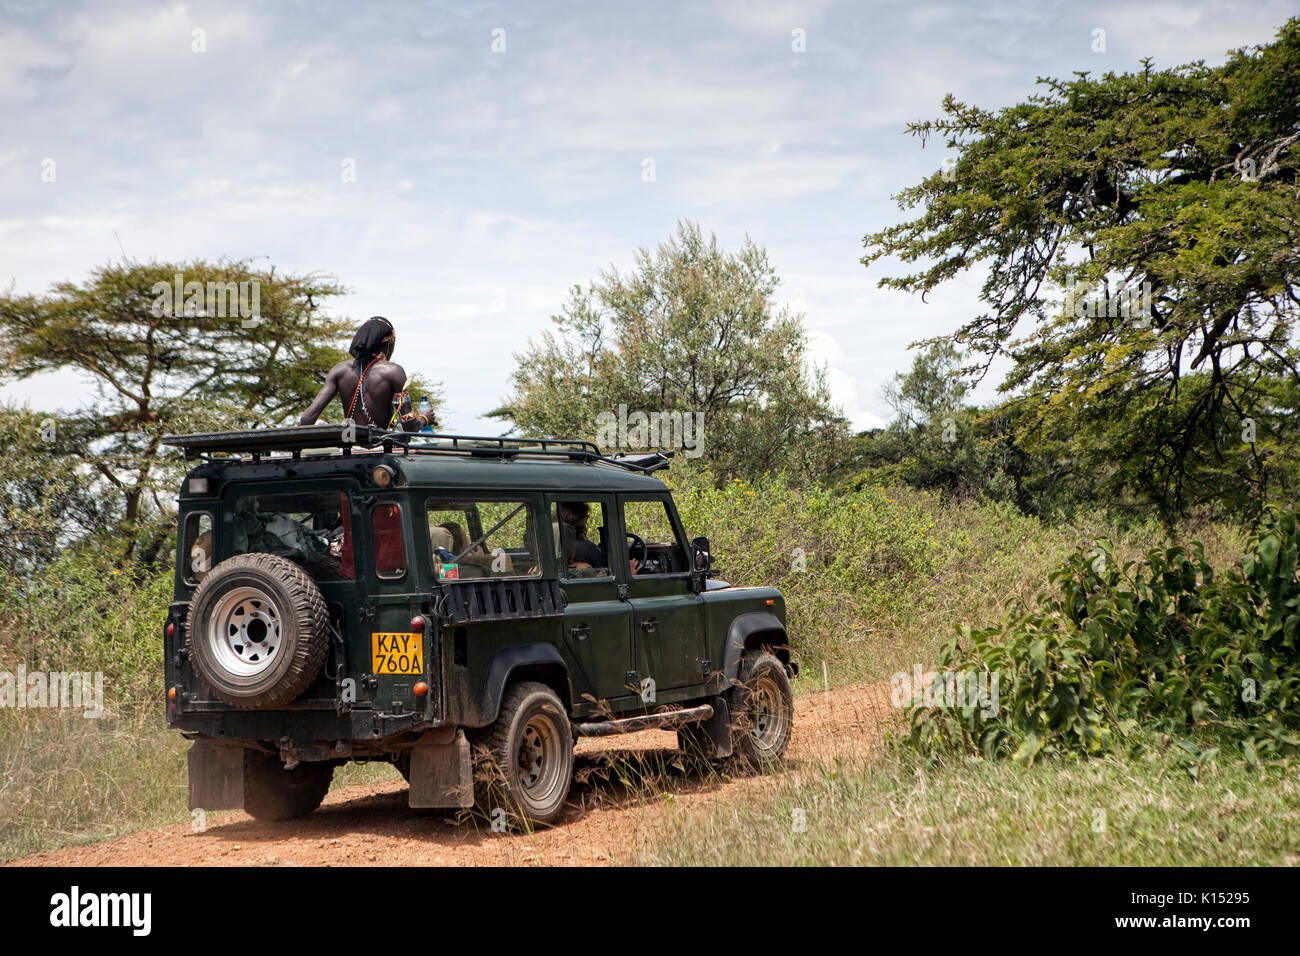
{"type": "Point", "coordinates": [372, 404]}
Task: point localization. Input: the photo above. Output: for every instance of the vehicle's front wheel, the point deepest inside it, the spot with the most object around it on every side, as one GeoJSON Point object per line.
{"type": "Point", "coordinates": [273, 793]}
{"type": "Point", "coordinates": [531, 746]}
{"type": "Point", "coordinates": [762, 710]}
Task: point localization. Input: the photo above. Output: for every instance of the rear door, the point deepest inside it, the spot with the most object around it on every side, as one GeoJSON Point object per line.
{"type": "Point", "coordinates": [396, 656]}
{"type": "Point", "coordinates": [316, 525]}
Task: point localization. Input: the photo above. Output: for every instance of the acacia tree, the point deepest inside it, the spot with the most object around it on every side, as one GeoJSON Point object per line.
{"type": "Point", "coordinates": [1171, 190]}
{"type": "Point", "coordinates": [690, 329]}
{"type": "Point", "coordinates": [161, 365]}
{"type": "Point", "coordinates": [45, 499]}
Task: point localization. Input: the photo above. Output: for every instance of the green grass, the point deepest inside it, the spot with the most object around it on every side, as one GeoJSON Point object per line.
{"type": "Point", "coordinates": [897, 809]}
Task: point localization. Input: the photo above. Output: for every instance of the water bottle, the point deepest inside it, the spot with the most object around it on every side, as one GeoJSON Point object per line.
{"type": "Point", "coordinates": [426, 408]}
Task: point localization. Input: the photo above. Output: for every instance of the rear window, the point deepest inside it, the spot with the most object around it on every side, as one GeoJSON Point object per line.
{"type": "Point", "coordinates": [313, 530]}
{"type": "Point", "coordinates": [390, 554]}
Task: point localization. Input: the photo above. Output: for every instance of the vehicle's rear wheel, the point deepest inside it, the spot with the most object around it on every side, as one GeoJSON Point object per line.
{"type": "Point", "coordinates": [762, 710]}
{"type": "Point", "coordinates": [531, 751]}
{"type": "Point", "coordinates": [273, 793]}
{"type": "Point", "coordinates": [258, 630]}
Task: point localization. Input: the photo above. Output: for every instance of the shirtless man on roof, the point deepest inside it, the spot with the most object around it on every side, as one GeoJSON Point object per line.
{"type": "Point", "coordinates": [370, 386]}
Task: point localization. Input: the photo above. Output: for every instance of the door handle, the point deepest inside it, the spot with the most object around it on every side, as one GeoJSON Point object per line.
{"type": "Point", "coordinates": [581, 633]}
{"type": "Point", "coordinates": [649, 624]}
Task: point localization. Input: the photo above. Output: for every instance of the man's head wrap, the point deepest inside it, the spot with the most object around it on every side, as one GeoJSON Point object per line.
{"type": "Point", "coordinates": [371, 338]}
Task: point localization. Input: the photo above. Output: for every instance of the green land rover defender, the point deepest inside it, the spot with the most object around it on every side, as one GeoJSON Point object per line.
{"type": "Point", "coordinates": [344, 593]}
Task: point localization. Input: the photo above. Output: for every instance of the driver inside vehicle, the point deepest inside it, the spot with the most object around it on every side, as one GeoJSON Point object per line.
{"type": "Point", "coordinates": [651, 538]}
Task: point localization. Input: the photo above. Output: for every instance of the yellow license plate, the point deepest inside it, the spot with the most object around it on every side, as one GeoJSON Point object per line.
{"type": "Point", "coordinates": [397, 653]}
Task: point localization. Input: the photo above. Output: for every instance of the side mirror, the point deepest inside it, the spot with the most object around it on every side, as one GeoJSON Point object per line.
{"type": "Point", "coordinates": [703, 557]}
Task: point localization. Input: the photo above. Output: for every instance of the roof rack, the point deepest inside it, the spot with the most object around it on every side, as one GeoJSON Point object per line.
{"type": "Point", "coordinates": [324, 438]}
{"type": "Point", "coordinates": [261, 441]}
{"type": "Point", "coordinates": [656, 461]}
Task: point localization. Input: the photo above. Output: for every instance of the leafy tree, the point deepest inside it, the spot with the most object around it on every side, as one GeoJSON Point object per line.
{"type": "Point", "coordinates": [206, 359]}
{"type": "Point", "coordinates": [1142, 249]}
{"type": "Point", "coordinates": [46, 499]}
{"type": "Point", "coordinates": [933, 386]}
{"type": "Point", "coordinates": [690, 329]}
{"type": "Point", "coordinates": [939, 443]}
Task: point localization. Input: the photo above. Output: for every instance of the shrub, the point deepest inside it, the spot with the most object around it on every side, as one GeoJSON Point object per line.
{"type": "Point", "coordinates": [1163, 643]}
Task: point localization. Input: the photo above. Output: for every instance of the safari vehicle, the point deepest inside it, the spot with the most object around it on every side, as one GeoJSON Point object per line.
{"type": "Point", "coordinates": [344, 593]}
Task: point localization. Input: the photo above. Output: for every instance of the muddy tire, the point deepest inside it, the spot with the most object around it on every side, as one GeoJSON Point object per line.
{"type": "Point", "coordinates": [273, 794]}
{"type": "Point", "coordinates": [530, 755]}
{"type": "Point", "coordinates": [258, 631]}
{"type": "Point", "coordinates": [762, 711]}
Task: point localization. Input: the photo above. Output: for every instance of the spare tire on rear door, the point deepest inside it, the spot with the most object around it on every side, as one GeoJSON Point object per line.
{"type": "Point", "coordinates": [258, 630]}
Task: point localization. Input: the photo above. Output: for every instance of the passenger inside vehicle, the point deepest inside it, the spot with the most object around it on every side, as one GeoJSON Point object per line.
{"type": "Point", "coordinates": [474, 559]}
{"type": "Point", "coordinates": [479, 538]}
{"type": "Point", "coordinates": [580, 553]}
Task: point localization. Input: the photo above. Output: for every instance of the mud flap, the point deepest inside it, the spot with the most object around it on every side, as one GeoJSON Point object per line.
{"type": "Point", "coordinates": [442, 775]}
{"type": "Point", "coordinates": [216, 773]}
{"type": "Point", "coordinates": [718, 727]}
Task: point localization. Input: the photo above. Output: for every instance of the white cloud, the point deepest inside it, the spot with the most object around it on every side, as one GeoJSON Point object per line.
{"type": "Point", "coordinates": [825, 351]}
{"type": "Point", "coordinates": [520, 173]}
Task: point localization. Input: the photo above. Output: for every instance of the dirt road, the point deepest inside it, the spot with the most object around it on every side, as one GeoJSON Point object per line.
{"type": "Point", "coordinates": [612, 805]}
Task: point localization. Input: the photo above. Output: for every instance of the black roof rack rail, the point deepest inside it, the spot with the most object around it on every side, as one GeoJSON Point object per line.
{"type": "Point", "coordinates": [495, 446]}
{"type": "Point", "coordinates": [655, 461]}
{"type": "Point", "coordinates": [261, 441]}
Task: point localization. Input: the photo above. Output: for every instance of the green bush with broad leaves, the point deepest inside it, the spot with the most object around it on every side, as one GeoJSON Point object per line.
{"type": "Point", "coordinates": [1207, 660]}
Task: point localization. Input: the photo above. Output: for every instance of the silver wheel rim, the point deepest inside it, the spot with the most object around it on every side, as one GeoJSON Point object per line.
{"type": "Point", "coordinates": [538, 760]}
{"type": "Point", "coordinates": [767, 713]}
{"type": "Point", "coordinates": [245, 632]}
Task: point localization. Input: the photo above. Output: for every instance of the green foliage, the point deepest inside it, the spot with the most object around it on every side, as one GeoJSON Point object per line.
{"type": "Point", "coordinates": [875, 576]}
{"type": "Point", "coordinates": [1166, 644]}
{"type": "Point", "coordinates": [162, 366]}
{"type": "Point", "coordinates": [1183, 181]}
{"type": "Point", "coordinates": [83, 613]}
{"type": "Point", "coordinates": [933, 387]}
{"type": "Point", "coordinates": [897, 808]}
{"type": "Point", "coordinates": [690, 329]}
{"type": "Point", "coordinates": [937, 443]}
{"type": "Point", "coordinates": [47, 500]}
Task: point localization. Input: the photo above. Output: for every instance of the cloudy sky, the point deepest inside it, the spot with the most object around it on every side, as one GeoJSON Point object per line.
{"type": "Point", "coordinates": [488, 181]}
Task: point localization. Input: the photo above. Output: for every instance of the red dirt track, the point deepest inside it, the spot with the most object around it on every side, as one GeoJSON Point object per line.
{"type": "Point", "coordinates": [604, 822]}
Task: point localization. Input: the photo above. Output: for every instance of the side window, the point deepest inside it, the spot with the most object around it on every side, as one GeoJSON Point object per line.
{"type": "Point", "coordinates": [197, 557]}
{"type": "Point", "coordinates": [483, 539]}
{"type": "Point", "coordinates": [580, 532]}
{"type": "Point", "coordinates": [390, 553]}
{"type": "Point", "coordinates": [655, 550]}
